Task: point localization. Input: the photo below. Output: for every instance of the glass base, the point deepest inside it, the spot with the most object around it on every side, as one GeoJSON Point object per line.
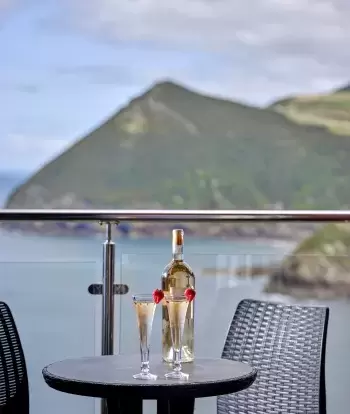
{"type": "Point", "coordinates": [177, 375]}
{"type": "Point", "coordinates": [144, 376]}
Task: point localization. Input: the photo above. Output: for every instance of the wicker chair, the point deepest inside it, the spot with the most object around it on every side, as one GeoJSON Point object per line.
{"type": "Point", "coordinates": [287, 344]}
{"type": "Point", "coordinates": [14, 393]}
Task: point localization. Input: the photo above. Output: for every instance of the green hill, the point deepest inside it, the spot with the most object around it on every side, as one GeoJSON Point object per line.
{"type": "Point", "coordinates": [174, 148]}
{"type": "Point", "coordinates": [331, 111]}
{"type": "Point", "coordinates": [319, 267]}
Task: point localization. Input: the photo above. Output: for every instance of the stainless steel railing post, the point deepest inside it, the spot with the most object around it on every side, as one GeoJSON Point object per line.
{"type": "Point", "coordinates": [107, 345]}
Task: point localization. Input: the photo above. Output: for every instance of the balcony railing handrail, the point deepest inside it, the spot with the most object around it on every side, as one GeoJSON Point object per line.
{"type": "Point", "coordinates": [174, 215]}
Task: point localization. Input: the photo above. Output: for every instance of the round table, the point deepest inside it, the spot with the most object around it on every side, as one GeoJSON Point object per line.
{"type": "Point", "coordinates": [111, 377]}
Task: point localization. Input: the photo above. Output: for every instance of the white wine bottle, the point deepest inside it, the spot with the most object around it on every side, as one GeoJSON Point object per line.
{"type": "Point", "coordinates": [176, 278]}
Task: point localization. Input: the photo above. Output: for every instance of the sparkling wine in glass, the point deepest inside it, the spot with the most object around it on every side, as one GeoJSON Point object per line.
{"type": "Point", "coordinates": [145, 307]}
{"type": "Point", "coordinates": [177, 306]}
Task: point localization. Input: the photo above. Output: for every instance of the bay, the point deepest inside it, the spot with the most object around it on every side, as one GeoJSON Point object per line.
{"type": "Point", "coordinates": [45, 280]}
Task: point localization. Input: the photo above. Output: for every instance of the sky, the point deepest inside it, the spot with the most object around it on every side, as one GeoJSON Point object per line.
{"type": "Point", "coordinates": [66, 65]}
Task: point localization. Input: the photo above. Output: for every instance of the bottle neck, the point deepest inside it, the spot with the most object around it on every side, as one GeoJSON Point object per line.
{"type": "Point", "coordinates": [178, 244]}
{"type": "Point", "coordinates": [178, 252]}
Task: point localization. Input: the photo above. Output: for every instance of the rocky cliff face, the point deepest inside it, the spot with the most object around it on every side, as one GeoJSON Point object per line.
{"type": "Point", "coordinates": [319, 267]}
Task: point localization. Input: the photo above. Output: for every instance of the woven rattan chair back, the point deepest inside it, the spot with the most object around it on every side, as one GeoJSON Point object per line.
{"type": "Point", "coordinates": [14, 394]}
{"type": "Point", "coordinates": [287, 344]}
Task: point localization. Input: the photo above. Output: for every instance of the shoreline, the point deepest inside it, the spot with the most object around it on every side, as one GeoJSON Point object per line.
{"type": "Point", "coordinates": [275, 233]}
{"type": "Point", "coordinates": [274, 241]}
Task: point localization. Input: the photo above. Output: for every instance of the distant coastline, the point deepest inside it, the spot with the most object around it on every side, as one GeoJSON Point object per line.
{"type": "Point", "coordinates": [277, 232]}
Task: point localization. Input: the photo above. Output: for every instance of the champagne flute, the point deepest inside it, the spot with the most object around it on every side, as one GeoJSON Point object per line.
{"type": "Point", "coordinates": [145, 307]}
{"type": "Point", "coordinates": [177, 308]}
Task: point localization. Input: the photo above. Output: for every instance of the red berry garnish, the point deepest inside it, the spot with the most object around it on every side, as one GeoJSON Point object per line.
{"type": "Point", "coordinates": [158, 295]}
{"type": "Point", "coordinates": [190, 294]}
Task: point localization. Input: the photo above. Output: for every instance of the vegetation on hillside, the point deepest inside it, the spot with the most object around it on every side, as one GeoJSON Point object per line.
{"type": "Point", "coordinates": [174, 148]}
{"type": "Point", "coordinates": [332, 240]}
{"type": "Point", "coordinates": [331, 111]}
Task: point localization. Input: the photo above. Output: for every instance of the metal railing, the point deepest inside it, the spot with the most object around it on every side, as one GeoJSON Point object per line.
{"type": "Point", "coordinates": [174, 215]}
{"type": "Point", "coordinates": [112, 217]}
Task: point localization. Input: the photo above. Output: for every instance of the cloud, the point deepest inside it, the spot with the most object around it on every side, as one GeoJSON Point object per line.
{"type": "Point", "coordinates": [294, 42]}
{"type": "Point", "coordinates": [99, 74]}
{"type": "Point", "coordinates": [25, 153]}
{"type": "Point", "coordinates": [27, 88]}
{"type": "Point", "coordinates": [284, 26]}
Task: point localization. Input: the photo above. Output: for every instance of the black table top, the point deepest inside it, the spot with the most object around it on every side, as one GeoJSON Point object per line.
{"type": "Point", "coordinates": [112, 377]}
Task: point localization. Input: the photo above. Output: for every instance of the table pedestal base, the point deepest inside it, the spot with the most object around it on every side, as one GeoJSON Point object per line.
{"type": "Point", "coordinates": [134, 406]}
{"type": "Point", "coordinates": [121, 406]}
{"type": "Point", "coordinates": [176, 406]}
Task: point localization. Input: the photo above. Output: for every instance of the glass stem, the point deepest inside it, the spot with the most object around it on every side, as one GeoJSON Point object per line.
{"type": "Point", "coordinates": [177, 360]}
{"type": "Point", "coordinates": [145, 360]}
